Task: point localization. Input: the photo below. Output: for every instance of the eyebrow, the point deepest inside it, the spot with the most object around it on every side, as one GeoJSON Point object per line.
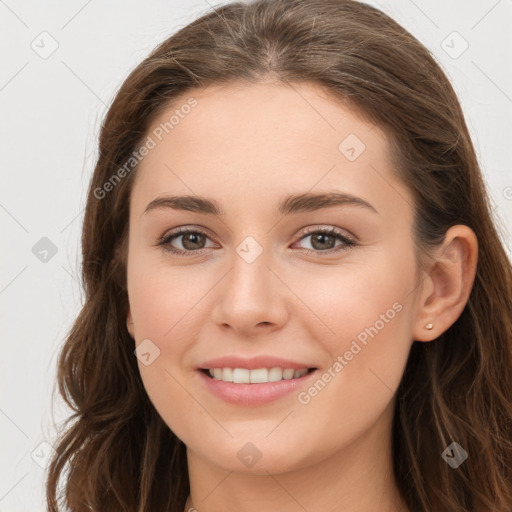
{"type": "Point", "coordinates": [291, 204]}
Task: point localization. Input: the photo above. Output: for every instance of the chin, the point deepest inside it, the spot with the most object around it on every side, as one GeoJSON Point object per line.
{"type": "Point", "coordinates": [259, 457]}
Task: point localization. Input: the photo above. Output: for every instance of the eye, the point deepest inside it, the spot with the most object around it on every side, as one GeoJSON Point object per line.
{"type": "Point", "coordinates": [323, 241]}
{"type": "Point", "coordinates": [192, 240]}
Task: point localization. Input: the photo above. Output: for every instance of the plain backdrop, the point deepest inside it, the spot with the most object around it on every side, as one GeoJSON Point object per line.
{"type": "Point", "coordinates": [61, 64]}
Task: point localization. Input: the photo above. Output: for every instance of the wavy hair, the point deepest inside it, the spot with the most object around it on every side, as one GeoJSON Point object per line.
{"type": "Point", "coordinates": [115, 452]}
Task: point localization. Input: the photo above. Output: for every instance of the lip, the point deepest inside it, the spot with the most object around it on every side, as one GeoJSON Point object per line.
{"type": "Point", "coordinates": [254, 394]}
{"type": "Point", "coordinates": [253, 363]}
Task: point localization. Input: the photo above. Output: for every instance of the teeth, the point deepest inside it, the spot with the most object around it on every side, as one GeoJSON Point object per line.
{"type": "Point", "coordinates": [241, 376]}
{"type": "Point", "coordinates": [227, 375]}
{"type": "Point", "coordinates": [288, 374]}
{"type": "Point", "coordinates": [258, 376]}
{"type": "Point", "coordinates": [275, 374]}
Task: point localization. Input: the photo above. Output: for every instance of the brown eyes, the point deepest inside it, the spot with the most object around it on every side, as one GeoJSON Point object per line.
{"type": "Point", "coordinates": [193, 240]}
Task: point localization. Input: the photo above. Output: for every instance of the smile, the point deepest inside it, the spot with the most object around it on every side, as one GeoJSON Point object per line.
{"type": "Point", "coordinates": [256, 376]}
{"type": "Point", "coordinates": [254, 387]}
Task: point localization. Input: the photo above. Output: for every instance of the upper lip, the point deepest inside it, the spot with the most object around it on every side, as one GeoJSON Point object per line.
{"type": "Point", "coordinates": [252, 363]}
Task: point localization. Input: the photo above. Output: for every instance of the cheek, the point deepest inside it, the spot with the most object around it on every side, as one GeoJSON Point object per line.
{"type": "Point", "coordinates": [162, 306]}
{"type": "Point", "coordinates": [369, 316]}
{"type": "Point", "coordinates": [366, 319]}
{"type": "Point", "coordinates": [161, 298]}
{"type": "Point", "coordinates": [348, 299]}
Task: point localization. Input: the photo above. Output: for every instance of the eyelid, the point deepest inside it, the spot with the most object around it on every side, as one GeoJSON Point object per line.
{"type": "Point", "coordinates": [331, 230]}
{"type": "Point", "coordinates": [165, 239]}
{"type": "Point", "coordinates": [180, 230]}
{"type": "Point", "coordinates": [348, 239]}
{"type": "Point", "coordinates": [306, 231]}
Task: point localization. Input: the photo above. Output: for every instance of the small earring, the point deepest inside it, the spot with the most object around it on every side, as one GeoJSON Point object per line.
{"type": "Point", "coordinates": [429, 326]}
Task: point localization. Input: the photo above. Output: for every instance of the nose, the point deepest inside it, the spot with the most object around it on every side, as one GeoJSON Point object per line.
{"type": "Point", "coordinates": [251, 299]}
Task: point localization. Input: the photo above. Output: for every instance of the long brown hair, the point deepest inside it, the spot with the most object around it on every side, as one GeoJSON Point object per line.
{"type": "Point", "coordinates": [115, 452]}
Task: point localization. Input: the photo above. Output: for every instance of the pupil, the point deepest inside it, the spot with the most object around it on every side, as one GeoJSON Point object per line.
{"type": "Point", "coordinates": [194, 237]}
{"type": "Point", "coordinates": [323, 235]}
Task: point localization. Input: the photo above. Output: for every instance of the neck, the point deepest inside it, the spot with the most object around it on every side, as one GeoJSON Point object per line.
{"type": "Point", "coordinates": [357, 478]}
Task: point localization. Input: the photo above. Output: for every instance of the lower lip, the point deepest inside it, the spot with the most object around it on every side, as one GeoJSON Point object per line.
{"type": "Point", "coordinates": [254, 394]}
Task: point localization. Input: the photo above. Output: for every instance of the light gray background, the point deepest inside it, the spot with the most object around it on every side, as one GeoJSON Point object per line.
{"type": "Point", "coordinates": [51, 113]}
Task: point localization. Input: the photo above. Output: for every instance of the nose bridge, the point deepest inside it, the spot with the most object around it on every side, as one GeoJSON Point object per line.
{"type": "Point", "coordinates": [251, 276]}
{"type": "Point", "coordinates": [250, 294]}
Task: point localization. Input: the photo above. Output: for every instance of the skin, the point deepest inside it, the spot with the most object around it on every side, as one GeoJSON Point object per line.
{"type": "Point", "coordinates": [248, 146]}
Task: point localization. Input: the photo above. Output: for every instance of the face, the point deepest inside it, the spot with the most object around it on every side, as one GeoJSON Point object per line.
{"type": "Point", "coordinates": [273, 279]}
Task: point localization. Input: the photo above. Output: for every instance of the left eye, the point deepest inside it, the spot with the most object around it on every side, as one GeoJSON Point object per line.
{"type": "Point", "coordinates": [322, 237]}
{"type": "Point", "coordinates": [193, 240]}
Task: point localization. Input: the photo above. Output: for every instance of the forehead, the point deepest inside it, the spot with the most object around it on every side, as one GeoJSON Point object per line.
{"type": "Point", "coordinates": [254, 141]}
{"type": "Point", "coordinates": [259, 112]}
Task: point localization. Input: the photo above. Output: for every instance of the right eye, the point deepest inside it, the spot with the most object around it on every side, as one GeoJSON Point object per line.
{"type": "Point", "coordinates": [191, 238]}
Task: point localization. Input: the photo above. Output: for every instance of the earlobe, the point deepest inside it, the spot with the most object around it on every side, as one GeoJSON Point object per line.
{"type": "Point", "coordinates": [451, 276]}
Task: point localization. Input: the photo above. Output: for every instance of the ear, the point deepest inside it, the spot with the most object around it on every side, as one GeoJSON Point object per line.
{"type": "Point", "coordinates": [129, 323]}
{"type": "Point", "coordinates": [447, 283]}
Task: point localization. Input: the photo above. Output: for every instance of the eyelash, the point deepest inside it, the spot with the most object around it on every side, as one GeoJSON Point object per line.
{"type": "Point", "coordinates": [348, 243]}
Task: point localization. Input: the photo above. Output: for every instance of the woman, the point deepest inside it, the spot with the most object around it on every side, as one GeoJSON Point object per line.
{"type": "Point", "coordinates": [225, 358]}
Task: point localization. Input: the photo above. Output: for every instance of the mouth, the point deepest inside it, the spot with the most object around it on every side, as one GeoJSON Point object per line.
{"type": "Point", "coordinates": [255, 386]}
{"type": "Point", "coordinates": [255, 376]}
